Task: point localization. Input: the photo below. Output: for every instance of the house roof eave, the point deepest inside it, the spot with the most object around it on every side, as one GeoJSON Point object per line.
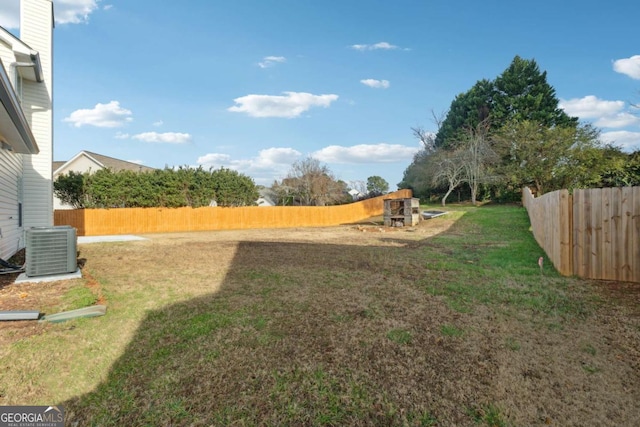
{"type": "Point", "coordinates": [27, 60]}
{"type": "Point", "coordinates": [14, 128]}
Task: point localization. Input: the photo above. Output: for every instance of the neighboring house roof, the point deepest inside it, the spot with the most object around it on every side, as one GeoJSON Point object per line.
{"type": "Point", "coordinates": [266, 198]}
{"type": "Point", "coordinates": [355, 193]}
{"type": "Point", "coordinates": [15, 132]}
{"type": "Point", "coordinates": [102, 162]}
{"type": "Point", "coordinates": [56, 165]}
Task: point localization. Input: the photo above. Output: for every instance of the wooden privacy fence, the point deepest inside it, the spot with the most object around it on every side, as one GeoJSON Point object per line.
{"type": "Point", "coordinates": [96, 222]}
{"type": "Point", "coordinates": [593, 234]}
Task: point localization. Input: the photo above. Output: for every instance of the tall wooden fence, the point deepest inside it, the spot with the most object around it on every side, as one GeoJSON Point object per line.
{"type": "Point", "coordinates": [592, 234]}
{"type": "Point", "coordinates": [96, 222]}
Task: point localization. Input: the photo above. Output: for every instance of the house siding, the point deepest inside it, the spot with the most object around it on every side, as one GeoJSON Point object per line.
{"type": "Point", "coordinates": [10, 171]}
{"type": "Point", "coordinates": [37, 99]}
{"type": "Point", "coordinates": [7, 57]}
{"type": "Point", "coordinates": [10, 232]}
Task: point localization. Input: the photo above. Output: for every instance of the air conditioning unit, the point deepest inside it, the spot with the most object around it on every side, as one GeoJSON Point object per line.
{"type": "Point", "coordinates": [51, 250]}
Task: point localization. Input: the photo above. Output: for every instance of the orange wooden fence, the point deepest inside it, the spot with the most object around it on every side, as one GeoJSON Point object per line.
{"type": "Point", "coordinates": [96, 222]}
{"type": "Point", "coordinates": [593, 233]}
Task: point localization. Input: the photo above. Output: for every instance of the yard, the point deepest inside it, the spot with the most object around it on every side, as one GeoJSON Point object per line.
{"type": "Point", "coordinates": [449, 323]}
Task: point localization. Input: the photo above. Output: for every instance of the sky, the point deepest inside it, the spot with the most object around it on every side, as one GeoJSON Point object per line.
{"type": "Point", "coordinates": [256, 85]}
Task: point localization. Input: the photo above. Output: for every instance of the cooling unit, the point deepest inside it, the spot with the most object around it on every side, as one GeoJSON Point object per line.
{"type": "Point", "coordinates": [51, 250]}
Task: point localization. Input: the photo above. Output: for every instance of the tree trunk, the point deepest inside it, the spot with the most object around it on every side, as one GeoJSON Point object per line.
{"type": "Point", "coordinates": [444, 199]}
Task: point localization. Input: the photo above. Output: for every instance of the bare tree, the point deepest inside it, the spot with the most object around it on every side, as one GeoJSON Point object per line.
{"type": "Point", "coordinates": [477, 156]}
{"type": "Point", "coordinates": [309, 183]}
{"type": "Point", "coordinates": [427, 138]}
{"type": "Point", "coordinates": [448, 168]}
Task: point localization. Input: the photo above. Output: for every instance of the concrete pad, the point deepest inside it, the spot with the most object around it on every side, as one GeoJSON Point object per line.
{"type": "Point", "coordinates": [113, 238]}
{"type": "Point", "coordinates": [23, 278]}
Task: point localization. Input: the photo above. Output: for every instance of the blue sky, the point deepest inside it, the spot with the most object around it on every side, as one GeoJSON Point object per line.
{"type": "Point", "coordinates": [255, 85]}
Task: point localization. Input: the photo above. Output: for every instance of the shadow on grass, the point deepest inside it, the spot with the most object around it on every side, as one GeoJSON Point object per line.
{"type": "Point", "coordinates": [305, 334]}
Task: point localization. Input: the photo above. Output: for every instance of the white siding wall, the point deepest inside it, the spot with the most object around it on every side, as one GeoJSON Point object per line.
{"type": "Point", "coordinates": [10, 233]}
{"type": "Point", "coordinates": [10, 171]}
{"type": "Point", "coordinates": [7, 57]}
{"type": "Point", "coordinates": [36, 30]}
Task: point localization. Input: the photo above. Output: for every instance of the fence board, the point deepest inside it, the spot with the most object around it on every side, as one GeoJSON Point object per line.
{"type": "Point", "coordinates": [606, 258]}
{"type": "Point", "coordinates": [596, 233]}
{"type": "Point", "coordinates": [565, 232]}
{"type": "Point", "coordinates": [635, 237]}
{"type": "Point", "coordinates": [615, 252]}
{"type": "Point", "coordinates": [578, 234]}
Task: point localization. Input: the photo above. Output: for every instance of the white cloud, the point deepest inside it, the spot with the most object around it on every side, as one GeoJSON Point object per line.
{"type": "Point", "coordinates": [270, 164]}
{"type": "Point", "coordinates": [366, 153]}
{"type": "Point", "coordinates": [629, 141]}
{"type": "Point", "coordinates": [120, 135]}
{"type": "Point", "coordinates": [163, 138]}
{"type": "Point", "coordinates": [289, 105]}
{"type": "Point", "coordinates": [74, 11]}
{"type": "Point", "coordinates": [590, 107]}
{"type": "Point", "coordinates": [628, 66]}
{"type": "Point", "coordinates": [618, 120]}
{"type": "Point", "coordinates": [158, 123]}
{"type": "Point", "coordinates": [270, 61]}
{"type": "Point", "coordinates": [607, 114]}
{"type": "Point", "coordinates": [107, 7]}
{"type": "Point", "coordinates": [376, 46]}
{"type": "Point", "coordinates": [214, 159]}
{"type": "Point", "coordinates": [378, 84]}
{"type": "Point", "coordinates": [109, 115]}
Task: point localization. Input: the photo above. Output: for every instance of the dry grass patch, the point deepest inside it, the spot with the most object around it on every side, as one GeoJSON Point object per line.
{"type": "Point", "coordinates": [446, 324]}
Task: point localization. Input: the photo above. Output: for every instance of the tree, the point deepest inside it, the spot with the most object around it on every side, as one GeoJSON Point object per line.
{"type": "Point", "coordinates": [171, 187]}
{"type": "Point", "coordinates": [540, 156]}
{"type": "Point", "coordinates": [418, 177]}
{"type": "Point", "coordinates": [310, 183]}
{"type": "Point", "coordinates": [522, 93]}
{"type": "Point", "coordinates": [477, 157]}
{"type": "Point", "coordinates": [233, 188]}
{"type": "Point", "coordinates": [69, 188]}
{"type": "Point", "coordinates": [467, 111]}
{"type": "Point", "coordinates": [376, 185]}
{"type": "Point", "coordinates": [448, 168]}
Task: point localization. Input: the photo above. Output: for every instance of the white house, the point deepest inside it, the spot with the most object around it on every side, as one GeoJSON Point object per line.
{"type": "Point", "coordinates": [267, 198]}
{"type": "Point", "coordinates": [89, 162]}
{"type": "Point", "coordinates": [355, 194]}
{"type": "Point", "coordinates": [26, 125]}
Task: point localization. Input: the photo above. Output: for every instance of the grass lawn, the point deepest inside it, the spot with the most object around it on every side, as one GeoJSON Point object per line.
{"type": "Point", "coordinates": [449, 323]}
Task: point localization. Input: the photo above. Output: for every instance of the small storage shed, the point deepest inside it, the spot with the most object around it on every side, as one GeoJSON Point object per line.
{"type": "Point", "coordinates": [401, 212]}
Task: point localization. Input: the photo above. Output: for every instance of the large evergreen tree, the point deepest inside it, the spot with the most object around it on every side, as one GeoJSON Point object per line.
{"type": "Point", "coordinates": [523, 93]}
{"type": "Point", "coordinates": [467, 111]}
{"type": "Point", "coordinates": [520, 93]}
